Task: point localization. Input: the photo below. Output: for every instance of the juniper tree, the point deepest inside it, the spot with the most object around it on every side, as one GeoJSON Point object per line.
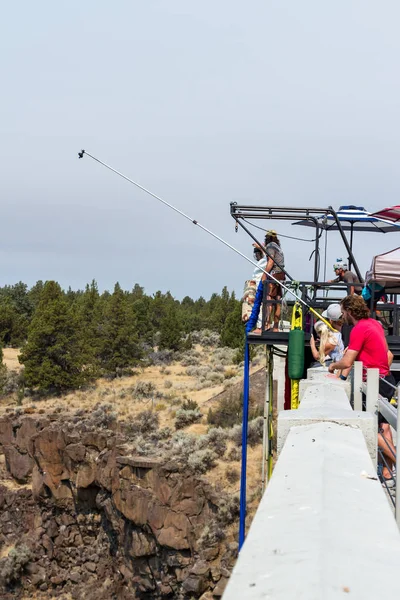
{"type": "Point", "coordinates": [170, 330]}
{"type": "Point", "coordinates": [51, 356]}
{"type": "Point", "coordinates": [119, 343]}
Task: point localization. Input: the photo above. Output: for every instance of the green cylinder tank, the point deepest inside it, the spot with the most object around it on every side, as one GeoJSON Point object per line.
{"type": "Point", "coordinates": [296, 354]}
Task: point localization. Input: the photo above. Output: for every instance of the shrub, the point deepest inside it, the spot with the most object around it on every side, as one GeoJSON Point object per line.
{"type": "Point", "coordinates": [224, 356]}
{"type": "Point", "coordinates": [254, 432]}
{"type": "Point", "coordinates": [162, 357]}
{"type": "Point", "coordinates": [189, 360]}
{"type": "Point", "coordinates": [190, 405]}
{"type": "Point", "coordinates": [205, 338]}
{"type": "Point", "coordinates": [168, 384]}
{"type": "Point", "coordinates": [232, 474]}
{"type": "Point", "coordinates": [103, 416]}
{"type": "Point", "coordinates": [200, 385]}
{"type": "Point", "coordinates": [12, 566]}
{"type": "Point", "coordinates": [144, 389]}
{"type": "Point", "coordinates": [234, 454]}
{"type": "Point", "coordinates": [228, 510]}
{"type": "Point", "coordinates": [211, 535]}
{"type": "Point", "coordinates": [214, 439]}
{"type": "Point", "coordinates": [229, 373]}
{"type": "Point", "coordinates": [228, 412]}
{"type": "Point", "coordinates": [202, 461]}
{"type": "Point", "coordinates": [160, 406]}
{"type": "Point", "coordinates": [198, 371]}
{"type": "Point", "coordinates": [186, 417]}
{"type": "Point", "coordinates": [11, 381]}
{"type": "Point", "coordinates": [147, 421]}
{"type": "Point", "coordinates": [215, 377]}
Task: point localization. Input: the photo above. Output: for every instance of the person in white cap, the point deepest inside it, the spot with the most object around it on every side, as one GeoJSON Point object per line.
{"type": "Point", "coordinates": [344, 275]}
{"type": "Point", "coordinates": [333, 314]}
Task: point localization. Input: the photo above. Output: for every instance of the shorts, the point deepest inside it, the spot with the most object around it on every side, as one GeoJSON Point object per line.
{"type": "Point", "coordinates": [274, 289]}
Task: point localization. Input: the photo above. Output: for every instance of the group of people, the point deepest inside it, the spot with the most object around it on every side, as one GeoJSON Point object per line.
{"type": "Point", "coordinates": [352, 334]}
{"type": "Point", "coordinates": [270, 259]}
{"type": "Point", "coordinates": [367, 343]}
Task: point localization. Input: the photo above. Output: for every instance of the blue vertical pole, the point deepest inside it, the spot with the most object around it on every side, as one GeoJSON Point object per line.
{"type": "Point", "coordinates": [246, 384]}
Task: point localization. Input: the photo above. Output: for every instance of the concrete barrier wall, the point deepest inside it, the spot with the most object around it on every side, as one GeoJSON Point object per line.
{"type": "Point", "coordinates": [324, 528]}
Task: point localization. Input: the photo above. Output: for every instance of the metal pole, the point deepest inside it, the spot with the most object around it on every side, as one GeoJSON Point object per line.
{"type": "Point", "coordinates": [264, 471]}
{"type": "Point", "coordinates": [397, 507]}
{"type": "Point", "coordinates": [372, 400]}
{"type": "Point", "coordinates": [358, 373]}
{"type": "Point", "coordinates": [316, 251]}
{"type": "Point", "coordinates": [270, 412]}
{"type": "Point", "coordinates": [346, 243]}
{"type": "Point", "coordinates": [214, 235]}
{"type": "Point", "coordinates": [246, 385]}
{"type": "Point", "coordinates": [351, 242]}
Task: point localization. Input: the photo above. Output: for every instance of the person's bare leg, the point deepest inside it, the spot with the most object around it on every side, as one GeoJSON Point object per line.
{"type": "Point", "coordinates": [268, 313]}
{"type": "Point", "coordinates": [385, 443]}
{"type": "Point", "coordinates": [277, 314]}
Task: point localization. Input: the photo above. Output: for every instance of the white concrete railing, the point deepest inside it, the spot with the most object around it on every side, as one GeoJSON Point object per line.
{"type": "Point", "coordinates": [324, 527]}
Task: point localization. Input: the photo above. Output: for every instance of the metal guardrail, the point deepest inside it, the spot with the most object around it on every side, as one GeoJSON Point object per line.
{"type": "Point", "coordinates": [375, 403]}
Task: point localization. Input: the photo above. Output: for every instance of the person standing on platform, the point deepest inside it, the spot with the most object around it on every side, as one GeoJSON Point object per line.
{"type": "Point", "coordinates": [275, 265]}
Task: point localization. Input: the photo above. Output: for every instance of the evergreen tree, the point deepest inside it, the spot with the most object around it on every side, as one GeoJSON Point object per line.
{"type": "Point", "coordinates": [88, 311]}
{"type": "Point", "coordinates": [119, 344]}
{"type": "Point", "coordinates": [232, 334]}
{"type": "Point", "coordinates": [170, 330]}
{"type": "Point", "coordinates": [13, 325]}
{"type": "Point", "coordinates": [35, 293]}
{"type": "Point", "coordinates": [51, 355]}
{"type": "Point", "coordinates": [3, 371]}
{"type": "Point", "coordinates": [144, 326]}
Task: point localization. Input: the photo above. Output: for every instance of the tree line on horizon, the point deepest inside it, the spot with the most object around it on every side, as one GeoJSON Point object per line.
{"type": "Point", "coordinates": [68, 338]}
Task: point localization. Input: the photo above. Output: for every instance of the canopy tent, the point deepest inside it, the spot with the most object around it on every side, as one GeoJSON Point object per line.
{"type": "Point", "coordinates": [385, 270]}
{"type": "Point", "coordinates": [389, 214]}
{"type": "Point", "coordinates": [352, 218]}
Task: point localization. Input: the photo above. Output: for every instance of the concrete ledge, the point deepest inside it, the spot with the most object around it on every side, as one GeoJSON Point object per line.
{"type": "Point", "coordinates": [324, 377]}
{"type": "Point", "coordinates": [323, 402]}
{"type": "Point", "coordinates": [323, 530]}
{"type": "Point", "coordinates": [362, 421]}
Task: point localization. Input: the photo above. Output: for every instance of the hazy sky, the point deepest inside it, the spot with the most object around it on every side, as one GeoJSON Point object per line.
{"type": "Point", "coordinates": [204, 102]}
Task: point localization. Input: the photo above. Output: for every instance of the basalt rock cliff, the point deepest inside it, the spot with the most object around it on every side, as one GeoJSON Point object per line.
{"type": "Point", "coordinates": [81, 516]}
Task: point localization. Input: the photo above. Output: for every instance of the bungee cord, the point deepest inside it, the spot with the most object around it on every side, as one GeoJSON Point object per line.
{"type": "Point", "coordinates": [289, 237]}
{"type": "Point", "coordinates": [83, 153]}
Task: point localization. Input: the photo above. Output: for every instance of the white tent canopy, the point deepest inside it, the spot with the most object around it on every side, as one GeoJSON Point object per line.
{"type": "Point", "coordinates": [385, 270]}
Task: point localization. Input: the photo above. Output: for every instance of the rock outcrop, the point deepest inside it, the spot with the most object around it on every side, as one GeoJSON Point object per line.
{"type": "Point", "coordinates": [101, 522]}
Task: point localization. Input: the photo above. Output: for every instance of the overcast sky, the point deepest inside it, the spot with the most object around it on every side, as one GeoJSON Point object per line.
{"type": "Point", "coordinates": [205, 102]}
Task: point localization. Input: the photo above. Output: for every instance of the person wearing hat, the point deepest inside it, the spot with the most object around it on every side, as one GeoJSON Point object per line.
{"type": "Point", "coordinates": [275, 265]}
{"type": "Point", "coordinates": [343, 275]}
{"type": "Point", "coordinates": [330, 345]}
{"type": "Point", "coordinates": [333, 314]}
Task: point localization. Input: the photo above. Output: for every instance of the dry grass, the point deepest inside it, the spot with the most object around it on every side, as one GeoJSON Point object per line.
{"type": "Point", "coordinates": [118, 393]}
{"type": "Point", "coordinates": [10, 359]}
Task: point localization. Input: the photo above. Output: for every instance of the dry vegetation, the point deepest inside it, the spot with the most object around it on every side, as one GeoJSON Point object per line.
{"type": "Point", "coordinates": [178, 397]}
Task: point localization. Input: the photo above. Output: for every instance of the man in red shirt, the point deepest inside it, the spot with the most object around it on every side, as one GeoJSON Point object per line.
{"type": "Point", "coordinates": [368, 344]}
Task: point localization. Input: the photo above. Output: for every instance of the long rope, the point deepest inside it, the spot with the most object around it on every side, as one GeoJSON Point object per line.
{"type": "Point", "coordinates": [82, 153]}
{"type": "Point", "coordinates": [289, 237]}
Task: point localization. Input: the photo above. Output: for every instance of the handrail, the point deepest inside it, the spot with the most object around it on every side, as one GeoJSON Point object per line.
{"type": "Point", "coordinates": [386, 409]}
